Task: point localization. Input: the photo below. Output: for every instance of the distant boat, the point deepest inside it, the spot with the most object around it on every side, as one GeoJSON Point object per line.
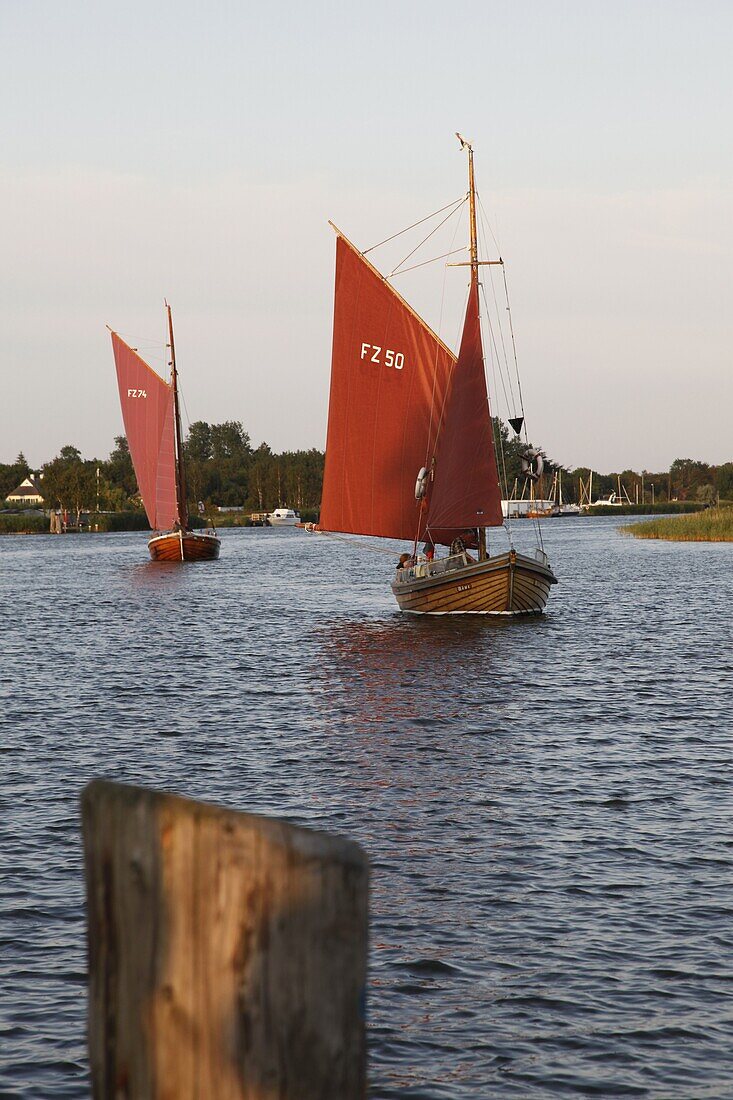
{"type": "Point", "coordinates": [283, 517]}
{"type": "Point", "coordinates": [562, 507]}
{"type": "Point", "coordinates": [614, 500]}
{"type": "Point", "coordinates": [527, 508]}
{"type": "Point", "coordinates": [403, 406]}
{"type": "Point", "coordinates": [153, 426]}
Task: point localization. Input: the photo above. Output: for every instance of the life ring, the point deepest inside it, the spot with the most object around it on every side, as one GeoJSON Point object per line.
{"type": "Point", "coordinates": [532, 465]}
{"type": "Point", "coordinates": [421, 485]}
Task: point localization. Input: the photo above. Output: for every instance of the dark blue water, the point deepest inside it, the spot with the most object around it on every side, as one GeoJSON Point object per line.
{"type": "Point", "coordinates": [547, 804]}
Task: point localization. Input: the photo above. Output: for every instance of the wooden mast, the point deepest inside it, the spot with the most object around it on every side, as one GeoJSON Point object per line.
{"type": "Point", "coordinates": [180, 468]}
{"type": "Point", "coordinates": [474, 276]}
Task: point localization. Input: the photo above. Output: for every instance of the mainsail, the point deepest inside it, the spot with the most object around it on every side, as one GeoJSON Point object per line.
{"type": "Point", "coordinates": [389, 379]}
{"type": "Point", "coordinates": [148, 414]}
{"type": "Point", "coordinates": [466, 492]}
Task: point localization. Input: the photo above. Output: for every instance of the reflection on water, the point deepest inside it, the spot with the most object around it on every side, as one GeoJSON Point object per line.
{"type": "Point", "coordinates": [406, 668]}
{"type": "Point", "coordinates": [546, 803]}
{"type": "Point", "coordinates": [154, 576]}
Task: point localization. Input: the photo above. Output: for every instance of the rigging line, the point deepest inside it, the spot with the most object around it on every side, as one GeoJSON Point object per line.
{"type": "Point", "coordinates": [149, 341]}
{"type": "Point", "coordinates": [496, 430]}
{"type": "Point", "coordinates": [447, 389]}
{"type": "Point", "coordinates": [503, 377]}
{"type": "Point", "coordinates": [355, 542]}
{"type": "Point", "coordinates": [494, 345]}
{"type": "Point", "coordinates": [511, 325]}
{"type": "Point", "coordinates": [414, 267]}
{"type": "Point", "coordinates": [428, 442]}
{"type": "Point", "coordinates": [484, 224]}
{"type": "Point", "coordinates": [501, 334]}
{"type": "Point", "coordinates": [498, 441]}
{"type": "Point", "coordinates": [485, 218]}
{"type": "Point", "coordinates": [538, 529]}
{"type": "Point", "coordinates": [185, 407]}
{"type": "Point", "coordinates": [396, 270]}
{"type": "Point", "coordinates": [514, 345]}
{"type": "Point", "coordinates": [456, 202]}
{"type": "Point", "coordinates": [148, 348]}
{"type": "Point", "coordinates": [487, 224]}
{"type": "Point", "coordinates": [499, 446]}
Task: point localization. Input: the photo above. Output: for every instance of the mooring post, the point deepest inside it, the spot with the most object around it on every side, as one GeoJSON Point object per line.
{"type": "Point", "coordinates": [227, 953]}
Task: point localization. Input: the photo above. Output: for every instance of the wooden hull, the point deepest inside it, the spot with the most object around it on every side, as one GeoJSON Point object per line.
{"type": "Point", "coordinates": [184, 546]}
{"type": "Point", "coordinates": [508, 584]}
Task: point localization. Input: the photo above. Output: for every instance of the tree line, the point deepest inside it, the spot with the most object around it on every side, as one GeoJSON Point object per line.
{"type": "Point", "coordinates": [224, 469]}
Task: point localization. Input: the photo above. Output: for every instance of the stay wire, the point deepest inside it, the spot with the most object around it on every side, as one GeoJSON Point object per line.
{"type": "Point", "coordinates": [456, 203]}
{"type": "Point", "coordinates": [538, 528]}
{"type": "Point", "coordinates": [354, 542]}
{"type": "Point", "coordinates": [504, 360]}
{"type": "Point", "coordinates": [429, 442]}
{"type": "Point", "coordinates": [396, 270]}
{"type": "Point", "coordinates": [445, 395]}
{"type": "Point", "coordinates": [514, 349]}
{"type": "Point", "coordinates": [494, 345]}
{"type": "Point", "coordinates": [497, 436]}
{"type": "Point", "coordinates": [414, 267]}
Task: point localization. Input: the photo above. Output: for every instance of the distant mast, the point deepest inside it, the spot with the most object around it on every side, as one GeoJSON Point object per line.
{"type": "Point", "coordinates": [180, 467]}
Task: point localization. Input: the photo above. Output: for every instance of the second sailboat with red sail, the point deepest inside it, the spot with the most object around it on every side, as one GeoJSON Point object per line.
{"type": "Point", "coordinates": [152, 418]}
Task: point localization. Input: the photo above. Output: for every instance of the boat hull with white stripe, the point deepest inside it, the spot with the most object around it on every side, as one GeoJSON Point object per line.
{"type": "Point", "coordinates": [506, 584]}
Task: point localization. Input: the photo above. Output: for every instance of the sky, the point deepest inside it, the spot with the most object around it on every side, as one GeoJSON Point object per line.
{"type": "Point", "coordinates": [195, 153]}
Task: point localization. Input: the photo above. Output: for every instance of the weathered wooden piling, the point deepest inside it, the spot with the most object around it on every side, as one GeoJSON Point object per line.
{"type": "Point", "coordinates": [227, 953]}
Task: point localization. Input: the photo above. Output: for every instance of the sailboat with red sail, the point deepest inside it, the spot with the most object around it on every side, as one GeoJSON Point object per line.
{"type": "Point", "coordinates": [151, 413]}
{"type": "Point", "coordinates": [404, 407]}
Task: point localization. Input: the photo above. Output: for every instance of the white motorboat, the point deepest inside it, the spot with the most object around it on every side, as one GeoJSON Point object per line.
{"type": "Point", "coordinates": [283, 517]}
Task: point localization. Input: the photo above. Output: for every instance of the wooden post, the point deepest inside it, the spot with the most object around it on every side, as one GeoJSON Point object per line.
{"type": "Point", "coordinates": [227, 952]}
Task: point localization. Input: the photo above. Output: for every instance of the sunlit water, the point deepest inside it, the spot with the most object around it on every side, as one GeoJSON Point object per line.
{"type": "Point", "coordinates": [547, 803]}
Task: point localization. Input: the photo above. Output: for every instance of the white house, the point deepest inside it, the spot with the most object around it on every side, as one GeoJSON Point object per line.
{"type": "Point", "coordinates": [28, 492]}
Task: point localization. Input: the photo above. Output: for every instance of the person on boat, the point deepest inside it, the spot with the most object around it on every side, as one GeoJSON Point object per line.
{"type": "Point", "coordinates": [405, 561]}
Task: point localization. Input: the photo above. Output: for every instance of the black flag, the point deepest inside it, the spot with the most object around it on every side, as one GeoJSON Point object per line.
{"type": "Point", "coordinates": [516, 422]}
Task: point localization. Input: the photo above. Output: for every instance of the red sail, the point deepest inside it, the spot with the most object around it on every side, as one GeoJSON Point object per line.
{"type": "Point", "coordinates": [466, 492]}
{"type": "Point", "coordinates": [389, 375]}
{"type": "Point", "coordinates": [147, 410]}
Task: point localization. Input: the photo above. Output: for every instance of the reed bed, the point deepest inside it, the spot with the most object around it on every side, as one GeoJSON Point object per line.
{"type": "Point", "coordinates": [712, 525]}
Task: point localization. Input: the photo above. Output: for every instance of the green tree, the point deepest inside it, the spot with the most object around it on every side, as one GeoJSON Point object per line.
{"type": "Point", "coordinates": [12, 474]}
{"type": "Point", "coordinates": [119, 475]}
{"type": "Point", "coordinates": [724, 480]}
{"type": "Point", "coordinates": [230, 442]}
{"type": "Point", "coordinates": [198, 444]}
{"type": "Point", "coordinates": [686, 475]}
{"type": "Point", "coordinates": [70, 454]}
{"type": "Point", "coordinates": [69, 483]}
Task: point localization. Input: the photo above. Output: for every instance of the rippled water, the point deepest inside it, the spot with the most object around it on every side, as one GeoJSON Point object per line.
{"type": "Point", "coordinates": [547, 803]}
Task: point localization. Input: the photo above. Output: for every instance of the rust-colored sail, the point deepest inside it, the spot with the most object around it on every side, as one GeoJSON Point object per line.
{"type": "Point", "coordinates": [466, 492]}
{"type": "Point", "coordinates": [147, 410]}
{"type": "Point", "coordinates": [389, 376]}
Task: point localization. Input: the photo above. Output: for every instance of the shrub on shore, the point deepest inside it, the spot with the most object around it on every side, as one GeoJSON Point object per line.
{"type": "Point", "coordinates": [673, 507]}
{"type": "Point", "coordinates": [712, 525]}
{"type": "Point", "coordinates": [23, 523]}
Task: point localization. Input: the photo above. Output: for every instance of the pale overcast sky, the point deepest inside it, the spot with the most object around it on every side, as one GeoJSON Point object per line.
{"type": "Point", "coordinates": [195, 151]}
